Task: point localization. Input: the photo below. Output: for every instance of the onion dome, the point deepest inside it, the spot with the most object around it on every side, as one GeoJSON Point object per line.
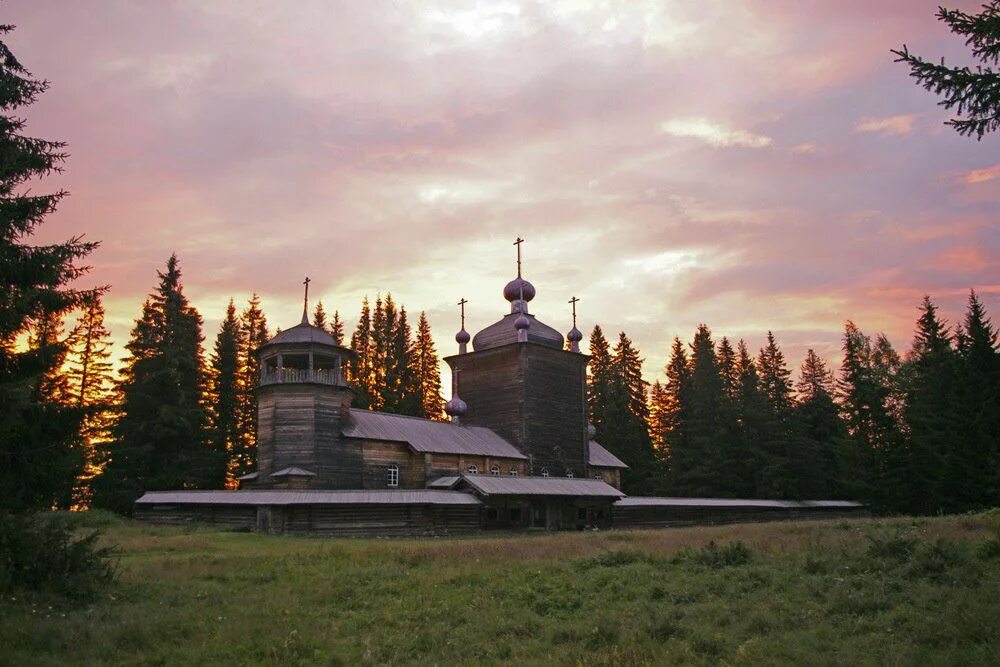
{"type": "Point", "coordinates": [519, 289]}
{"type": "Point", "coordinates": [462, 337]}
{"type": "Point", "coordinates": [591, 431]}
{"type": "Point", "coordinates": [574, 335]}
{"type": "Point", "coordinates": [522, 322]}
{"type": "Point", "coordinates": [456, 407]}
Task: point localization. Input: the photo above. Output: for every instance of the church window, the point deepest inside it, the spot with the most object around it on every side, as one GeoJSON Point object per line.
{"type": "Point", "coordinates": [569, 473]}
{"type": "Point", "coordinates": [473, 469]}
{"type": "Point", "coordinates": [495, 470]}
{"type": "Point", "coordinates": [392, 475]}
{"type": "Point", "coordinates": [545, 472]}
{"type": "Point", "coordinates": [513, 472]}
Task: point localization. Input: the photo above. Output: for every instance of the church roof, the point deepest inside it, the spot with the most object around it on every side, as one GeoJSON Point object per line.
{"type": "Point", "coordinates": [602, 458]}
{"type": "Point", "coordinates": [283, 497]}
{"type": "Point", "coordinates": [304, 333]}
{"type": "Point", "coordinates": [500, 485]}
{"type": "Point", "coordinates": [504, 333]}
{"type": "Point", "coordinates": [424, 435]}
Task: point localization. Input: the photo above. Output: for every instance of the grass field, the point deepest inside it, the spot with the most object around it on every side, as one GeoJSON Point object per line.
{"type": "Point", "coordinates": [901, 591]}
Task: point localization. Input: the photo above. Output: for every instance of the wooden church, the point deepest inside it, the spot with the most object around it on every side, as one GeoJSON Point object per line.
{"type": "Point", "coordinates": [517, 452]}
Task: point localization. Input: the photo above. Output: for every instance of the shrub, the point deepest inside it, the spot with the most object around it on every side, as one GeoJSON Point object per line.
{"type": "Point", "coordinates": [39, 552]}
{"type": "Point", "coordinates": [734, 553]}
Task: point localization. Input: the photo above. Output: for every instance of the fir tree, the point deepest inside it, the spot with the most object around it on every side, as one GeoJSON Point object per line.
{"type": "Point", "coordinates": [751, 415]}
{"type": "Point", "coordinates": [820, 444]}
{"type": "Point", "coordinates": [674, 399]}
{"type": "Point", "coordinates": [427, 372]}
{"type": "Point", "coordinates": [918, 467]}
{"type": "Point", "coordinates": [224, 434]}
{"type": "Point", "coordinates": [337, 328]}
{"type": "Point", "coordinates": [159, 438]}
{"type": "Point", "coordinates": [89, 374]}
{"type": "Point", "coordinates": [253, 324]}
{"type": "Point", "coordinates": [978, 410]}
{"type": "Point", "coordinates": [319, 316]}
{"type": "Point", "coordinates": [727, 369]}
{"type": "Point", "coordinates": [39, 438]}
{"type": "Point", "coordinates": [778, 471]}
{"type": "Point", "coordinates": [401, 372]}
{"type": "Point", "coordinates": [973, 94]}
{"type": "Point", "coordinates": [625, 430]}
{"type": "Point", "coordinates": [600, 371]}
{"type": "Point", "coordinates": [360, 368]}
{"type": "Point", "coordinates": [659, 419]}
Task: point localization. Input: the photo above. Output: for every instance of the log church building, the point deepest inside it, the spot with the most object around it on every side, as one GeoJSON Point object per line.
{"type": "Point", "coordinates": [516, 453]}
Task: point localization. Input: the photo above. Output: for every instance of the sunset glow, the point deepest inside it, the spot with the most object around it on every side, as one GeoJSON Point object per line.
{"type": "Point", "coordinates": [757, 167]}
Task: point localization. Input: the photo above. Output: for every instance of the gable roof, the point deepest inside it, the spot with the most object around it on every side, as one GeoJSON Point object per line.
{"type": "Point", "coordinates": [424, 435]}
{"type": "Point", "coordinates": [602, 458]}
{"type": "Point", "coordinates": [500, 485]}
{"type": "Point", "coordinates": [293, 472]}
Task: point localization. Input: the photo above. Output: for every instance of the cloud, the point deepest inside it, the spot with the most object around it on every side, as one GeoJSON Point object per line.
{"type": "Point", "coordinates": [890, 126]}
{"type": "Point", "coordinates": [980, 175]}
{"type": "Point", "coordinates": [713, 133]}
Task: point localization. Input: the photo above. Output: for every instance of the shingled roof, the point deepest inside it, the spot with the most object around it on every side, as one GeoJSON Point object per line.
{"type": "Point", "coordinates": [424, 435]}
{"type": "Point", "coordinates": [287, 497]}
{"type": "Point", "coordinates": [501, 485]}
{"type": "Point", "coordinates": [602, 458]}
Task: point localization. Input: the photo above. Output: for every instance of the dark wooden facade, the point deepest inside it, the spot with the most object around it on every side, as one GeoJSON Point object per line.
{"type": "Point", "coordinates": [532, 395]}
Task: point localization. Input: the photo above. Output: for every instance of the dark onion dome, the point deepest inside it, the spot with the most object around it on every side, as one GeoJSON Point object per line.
{"type": "Point", "coordinates": [462, 337]}
{"type": "Point", "coordinates": [574, 335]}
{"type": "Point", "coordinates": [591, 431]}
{"type": "Point", "coordinates": [517, 287]}
{"type": "Point", "coordinates": [522, 322]}
{"type": "Point", "coordinates": [504, 332]}
{"type": "Point", "coordinates": [456, 407]}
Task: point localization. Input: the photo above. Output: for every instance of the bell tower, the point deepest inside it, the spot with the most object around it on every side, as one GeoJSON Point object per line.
{"type": "Point", "coordinates": [302, 401]}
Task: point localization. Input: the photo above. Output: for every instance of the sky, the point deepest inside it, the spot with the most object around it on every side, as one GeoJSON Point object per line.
{"type": "Point", "coordinates": [755, 166]}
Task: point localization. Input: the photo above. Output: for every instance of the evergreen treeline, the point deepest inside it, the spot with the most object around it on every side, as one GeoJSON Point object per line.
{"type": "Point", "coordinates": [916, 434]}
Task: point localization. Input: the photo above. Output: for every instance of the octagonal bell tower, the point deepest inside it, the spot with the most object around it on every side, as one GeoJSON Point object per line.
{"type": "Point", "coordinates": [302, 401]}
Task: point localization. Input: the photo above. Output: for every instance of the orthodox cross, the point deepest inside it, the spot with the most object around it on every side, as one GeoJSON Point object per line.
{"type": "Point", "coordinates": [461, 304]}
{"type": "Point", "coordinates": [518, 243]}
{"type": "Point", "coordinates": [305, 301]}
{"type": "Point", "coordinates": [573, 301]}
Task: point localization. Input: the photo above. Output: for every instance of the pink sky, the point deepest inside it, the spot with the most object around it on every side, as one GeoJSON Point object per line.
{"type": "Point", "coordinates": [754, 166]}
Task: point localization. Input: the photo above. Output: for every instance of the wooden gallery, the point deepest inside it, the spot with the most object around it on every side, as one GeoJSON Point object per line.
{"type": "Point", "coordinates": [517, 452]}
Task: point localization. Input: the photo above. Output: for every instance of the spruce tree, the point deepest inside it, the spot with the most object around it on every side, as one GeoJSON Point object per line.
{"type": "Point", "coordinates": [978, 410]}
{"type": "Point", "coordinates": [919, 467]}
{"type": "Point", "coordinates": [159, 438]}
{"type": "Point", "coordinates": [319, 316]}
{"type": "Point", "coordinates": [727, 369]}
{"type": "Point", "coordinates": [974, 94]}
{"type": "Point", "coordinates": [674, 401]}
{"type": "Point", "coordinates": [337, 328]}
{"type": "Point", "coordinates": [39, 438]}
{"type": "Point", "coordinates": [360, 368]}
{"type": "Point", "coordinates": [820, 444]}
{"type": "Point", "coordinates": [403, 379]}
{"type": "Point", "coordinates": [90, 378]}
{"type": "Point", "coordinates": [659, 419]}
{"type": "Point", "coordinates": [253, 324]}
{"type": "Point", "coordinates": [427, 372]}
{"type": "Point", "coordinates": [751, 416]}
{"type": "Point", "coordinates": [625, 429]}
{"type": "Point", "coordinates": [778, 469]}
{"type": "Point", "coordinates": [600, 372]}
{"type": "Point", "coordinates": [225, 376]}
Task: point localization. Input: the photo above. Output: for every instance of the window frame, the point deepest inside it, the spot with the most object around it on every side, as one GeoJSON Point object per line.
{"type": "Point", "coordinates": [472, 469]}
{"type": "Point", "coordinates": [545, 472]}
{"type": "Point", "coordinates": [495, 471]}
{"type": "Point", "coordinates": [392, 476]}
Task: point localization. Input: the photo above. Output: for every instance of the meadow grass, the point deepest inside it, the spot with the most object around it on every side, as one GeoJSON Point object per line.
{"type": "Point", "coordinates": [892, 591]}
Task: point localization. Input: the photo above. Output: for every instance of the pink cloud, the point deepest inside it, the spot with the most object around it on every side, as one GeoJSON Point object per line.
{"type": "Point", "coordinates": [980, 175]}
{"type": "Point", "coordinates": [890, 126]}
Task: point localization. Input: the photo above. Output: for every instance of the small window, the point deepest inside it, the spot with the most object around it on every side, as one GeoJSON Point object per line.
{"type": "Point", "coordinates": [569, 473]}
{"type": "Point", "coordinates": [545, 472]}
{"type": "Point", "coordinates": [513, 472]}
{"type": "Point", "coordinates": [598, 476]}
{"type": "Point", "coordinates": [495, 470]}
{"type": "Point", "coordinates": [392, 475]}
{"type": "Point", "coordinates": [473, 469]}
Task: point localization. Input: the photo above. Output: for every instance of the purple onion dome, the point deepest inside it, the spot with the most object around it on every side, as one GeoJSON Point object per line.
{"type": "Point", "coordinates": [456, 407]}
{"type": "Point", "coordinates": [574, 335]}
{"type": "Point", "coordinates": [462, 337]}
{"type": "Point", "coordinates": [517, 287]}
{"type": "Point", "coordinates": [522, 322]}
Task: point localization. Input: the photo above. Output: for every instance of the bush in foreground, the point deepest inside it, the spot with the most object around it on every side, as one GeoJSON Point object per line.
{"type": "Point", "coordinates": [40, 552]}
